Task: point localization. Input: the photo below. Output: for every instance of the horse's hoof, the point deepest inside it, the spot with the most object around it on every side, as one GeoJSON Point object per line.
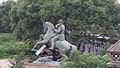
{"type": "Point", "coordinates": [34, 50]}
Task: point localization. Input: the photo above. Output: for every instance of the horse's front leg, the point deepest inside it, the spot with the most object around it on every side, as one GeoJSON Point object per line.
{"type": "Point", "coordinates": [43, 42]}
{"type": "Point", "coordinates": [41, 37]}
{"type": "Point", "coordinates": [33, 49]}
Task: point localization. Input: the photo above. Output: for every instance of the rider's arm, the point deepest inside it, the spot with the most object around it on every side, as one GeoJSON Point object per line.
{"type": "Point", "coordinates": [57, 25]}
{"type": "Point", "coordinates": [58, 30]}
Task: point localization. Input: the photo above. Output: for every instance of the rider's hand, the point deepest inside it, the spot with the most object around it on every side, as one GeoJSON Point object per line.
{"type": "Point", "coordinates": [41, 35]}
{"type": "Point", "coordinates": [57, 25]}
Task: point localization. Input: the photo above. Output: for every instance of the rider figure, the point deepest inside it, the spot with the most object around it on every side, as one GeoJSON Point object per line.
{"type": "Point", "coordinates": [60, 31]}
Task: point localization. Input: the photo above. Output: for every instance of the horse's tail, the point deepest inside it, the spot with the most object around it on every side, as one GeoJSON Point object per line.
{"type": "Point", "coordinates": [68, 53]}
{"type": "Point", "coordinates": [74, 48]}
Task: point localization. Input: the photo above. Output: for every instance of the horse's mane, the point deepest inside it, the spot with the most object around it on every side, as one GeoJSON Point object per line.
{"type": "Point", "coordinates": [50, 25]}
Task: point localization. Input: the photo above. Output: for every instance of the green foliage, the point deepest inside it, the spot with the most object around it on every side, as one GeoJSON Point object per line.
{"type": "Point", "coordinates": [77, 60]}
{"type": "Point", "coordinates": [17, 62]}
{"type": "Point", "coordinates": [9, 47]}
{"type": "Point", "coordinates": [82, 17]}
{"type": "Point", "coordinates": [5, 7]}
{"type": "Point", "coordinates": [28, 20]}
{"type": "Point", "coordinates": [5, 37]}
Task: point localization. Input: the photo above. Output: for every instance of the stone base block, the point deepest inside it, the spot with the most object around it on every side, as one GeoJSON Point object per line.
{"type": "Point", "coordinates": [33, 65]}
{"type": "Point", "coordinates": [113, 64]}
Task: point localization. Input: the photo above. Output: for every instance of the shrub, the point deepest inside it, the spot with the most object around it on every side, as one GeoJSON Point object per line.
{"type": "Point", "coordinates": [5, 37]}
{"type": "Point", "coordinates": [77, 60]}
{"type": "Point", "coordinates": [11, 48]}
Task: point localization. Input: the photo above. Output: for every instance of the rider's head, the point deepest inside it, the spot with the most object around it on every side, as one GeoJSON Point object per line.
{"type": "Point", "coordinates": [60, 21]}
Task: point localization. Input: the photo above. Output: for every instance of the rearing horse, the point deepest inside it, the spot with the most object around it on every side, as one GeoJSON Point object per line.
{"type": "Point", "coordinates": [64, 47]}
{"type": "Point", "coordinates": [49, 33]}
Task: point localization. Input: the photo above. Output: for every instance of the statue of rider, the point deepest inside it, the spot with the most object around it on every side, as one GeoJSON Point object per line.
{"type": "Point", "coordinates": [60, 33]}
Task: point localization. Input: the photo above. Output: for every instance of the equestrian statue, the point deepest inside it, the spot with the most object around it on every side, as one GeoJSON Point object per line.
{"type": "Point", "coordinates": [53, 41]}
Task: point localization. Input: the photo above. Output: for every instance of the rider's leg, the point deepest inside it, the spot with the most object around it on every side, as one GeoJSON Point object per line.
{"type": "Point", "coordinates": [53, 40]}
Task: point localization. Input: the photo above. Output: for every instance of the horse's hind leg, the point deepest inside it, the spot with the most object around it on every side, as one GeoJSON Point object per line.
{"type": "Point", "coordinates": [64, 58]}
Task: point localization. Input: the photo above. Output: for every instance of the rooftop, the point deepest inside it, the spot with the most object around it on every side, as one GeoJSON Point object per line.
{"type": "Point", "coordinates": [115, 47]}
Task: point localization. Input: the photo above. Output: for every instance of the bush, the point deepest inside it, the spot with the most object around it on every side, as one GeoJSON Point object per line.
{"type": "Point", "coordinates": [15, 48]}
{"type": "Point", "coordinates": [5, 37]}
{"type": "Point", "coordinates": [77, 60]}
{"type": "Point", "coordinates": [9, 47]}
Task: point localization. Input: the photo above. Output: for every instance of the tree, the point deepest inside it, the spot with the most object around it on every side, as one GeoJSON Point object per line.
{"type": "Point", "coordinates": [5, 7]}
{"type": "Point", "coordinates": [83, 17]}
{"type": "Point", "coordinates": [28, 23]}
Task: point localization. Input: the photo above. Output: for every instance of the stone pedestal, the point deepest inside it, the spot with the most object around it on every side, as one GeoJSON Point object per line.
{"type": "Point", "coordinates": [113, 64]}
{"type": "Point", "coordinates": [34, 65]}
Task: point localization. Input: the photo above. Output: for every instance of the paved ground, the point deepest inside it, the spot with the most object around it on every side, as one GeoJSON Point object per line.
{"type": "Point", "coordinates": [4, 63]}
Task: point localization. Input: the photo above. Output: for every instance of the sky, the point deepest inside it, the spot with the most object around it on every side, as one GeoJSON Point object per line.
{"type": "Point", "coordinates": [2, 1]}
{"type": "Point", "coordinates": [119, 1]}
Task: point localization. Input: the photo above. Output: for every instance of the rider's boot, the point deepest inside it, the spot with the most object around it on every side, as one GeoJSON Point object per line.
{"type": "Point", "coordinates": [52, 46]}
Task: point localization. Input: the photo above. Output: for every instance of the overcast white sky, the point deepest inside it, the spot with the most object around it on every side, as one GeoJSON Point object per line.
{"type": "Point", "coordinates": [2, 1]}
{"type": "Point", "coordinates": [119, 1]}
{"type": "Point", "coordinates": [5, 0]}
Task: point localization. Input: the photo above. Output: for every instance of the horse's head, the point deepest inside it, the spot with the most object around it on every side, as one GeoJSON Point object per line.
{"type": "Point", "coordinates": [48, 25]}
{"type": "Point", "coordinates": [45, 26]}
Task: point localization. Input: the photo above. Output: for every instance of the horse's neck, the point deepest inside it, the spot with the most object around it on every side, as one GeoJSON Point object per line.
{"type": "Point", "coordinates": [49, 31]}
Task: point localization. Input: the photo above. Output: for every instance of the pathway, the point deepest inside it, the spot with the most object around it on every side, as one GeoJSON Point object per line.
{"type": "Point", "coordinates": [4, 63]}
